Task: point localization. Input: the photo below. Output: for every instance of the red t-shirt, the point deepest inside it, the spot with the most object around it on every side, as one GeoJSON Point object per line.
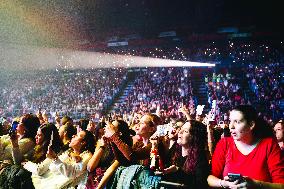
{"type": "Point", "coordinates": [265, 162]}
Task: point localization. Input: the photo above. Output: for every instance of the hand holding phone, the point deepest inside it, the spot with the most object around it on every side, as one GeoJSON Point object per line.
{"type": "Point", "coordinates": [15, 125]}
{"type": "Point", "coordinates": [13, 137]}
{"type": "Point", "coordinates": [162, 130]}
{"type": "Point", "coordinates": [109, 130]}
{"type": "Point", "coordinates": [50, 152]}
{"type": "Point", "coordinates": [233, 177]}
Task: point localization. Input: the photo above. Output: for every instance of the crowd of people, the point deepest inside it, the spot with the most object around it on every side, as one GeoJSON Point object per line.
{"type": "Point", "coordinates": [202, 52]}
{"type": "Point", "coordinates": [162, 88]}
{"type": "Point", "coordinates": [160, 136]}
{"type": "Point", "coordinates": [149, 151]}
{"type": "Point", "coordinates": [255, 66]}
{"type": "Point", "coordinates": [224, 92]}
{"type": "Point", "coordinates": [260, 64]}
{"type": "Point", "coordinates": [79, 93]}
{"type": "Point", "coordinates": [266, 81]}
{"type": "Point", "coordinates": [252, 63]}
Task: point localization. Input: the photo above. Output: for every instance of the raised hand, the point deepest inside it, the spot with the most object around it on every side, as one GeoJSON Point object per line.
{"type": "Point", "coordinates": [51, 154]}
{"type": "Point", "coordinates": [45, 116]}
{"type": "Point", "coordinates": [14, 139]}
{"type": "Point", "coordinates": [110, 129]}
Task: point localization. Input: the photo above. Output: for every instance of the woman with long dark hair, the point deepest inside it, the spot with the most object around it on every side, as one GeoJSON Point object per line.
{"type": "Point", "coordinates": [189, 162]}
{"type": "Point", "coordinates": [47, 135]}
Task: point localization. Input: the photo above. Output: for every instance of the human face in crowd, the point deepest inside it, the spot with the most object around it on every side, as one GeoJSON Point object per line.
{"type": "Point", "coordinates": [39, 137]}
{"type": "Point", "coordinates": [240, 129]}
{"type": "Point", "coordinates": [21, 127]}
{"type": "Point", "coordinates": [184, 135]}
{"type": "Point", "coordinates": [137, 118]}
{"type": "Point", "coordinates": [199, 118]}
{"type": "Point", "coordinates": [77, 141]}
{"type": "Point", "coordinates": [279, 132]}
{"type": "Point", "coordinates": [144, 128]}
{"type": "Point", "coordinates": [111, 128]}
{"type": "Point", "coordinates": [115, 125]}
{"type": "Point", "coordinates": [136, 127]}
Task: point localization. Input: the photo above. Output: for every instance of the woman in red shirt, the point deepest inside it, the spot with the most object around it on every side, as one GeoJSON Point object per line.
{"type": "Point", "coordinates": [251, 151]}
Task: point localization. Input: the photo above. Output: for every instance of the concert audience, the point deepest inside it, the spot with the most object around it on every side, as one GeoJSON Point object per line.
{"type": "Point", "coordinates": [93, 152]}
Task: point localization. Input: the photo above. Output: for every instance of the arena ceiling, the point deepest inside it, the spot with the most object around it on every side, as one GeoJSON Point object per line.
{"type": "Point", "coordinates": [64, 22]}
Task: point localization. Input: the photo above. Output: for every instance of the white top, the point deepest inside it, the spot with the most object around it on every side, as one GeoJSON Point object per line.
{"type": "Point", "coordinates": [7, 152]}
{"type": "Point", "coordinates": [61, 173]}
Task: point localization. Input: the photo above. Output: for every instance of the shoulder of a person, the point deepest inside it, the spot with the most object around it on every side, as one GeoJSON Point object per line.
{"type": "Point", "coordinates": [225, 143]}
{"type": "Point", "coordinates": [269, 145]}
{"type": "Point", "coordinates": [64, 155]}
{"type": "Point", "coordinates": [5, 137]}
{"type": "Point", "coordinates": [26, 140]}
{"type": "Point", "coordinates": [268, 141]}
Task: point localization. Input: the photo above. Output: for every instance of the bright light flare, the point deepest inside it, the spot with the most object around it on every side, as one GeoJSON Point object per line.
{"type": "Point", "coordinates": [21, 58]}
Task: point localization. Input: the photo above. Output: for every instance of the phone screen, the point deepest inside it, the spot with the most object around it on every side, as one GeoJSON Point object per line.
{"type": "Point", "coordinates": [15, 125]}
{"type": "Point", "coordinates": [162, 130]}
{"type": "Point", "coordinates": [234, 177]}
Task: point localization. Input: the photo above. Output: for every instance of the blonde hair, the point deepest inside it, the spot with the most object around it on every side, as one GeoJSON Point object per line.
{"type": "Point", "coordinates": [153, 120]}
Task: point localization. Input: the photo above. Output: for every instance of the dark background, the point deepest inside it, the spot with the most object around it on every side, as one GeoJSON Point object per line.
{"type": "Point", "coordinates": [192, 15]}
